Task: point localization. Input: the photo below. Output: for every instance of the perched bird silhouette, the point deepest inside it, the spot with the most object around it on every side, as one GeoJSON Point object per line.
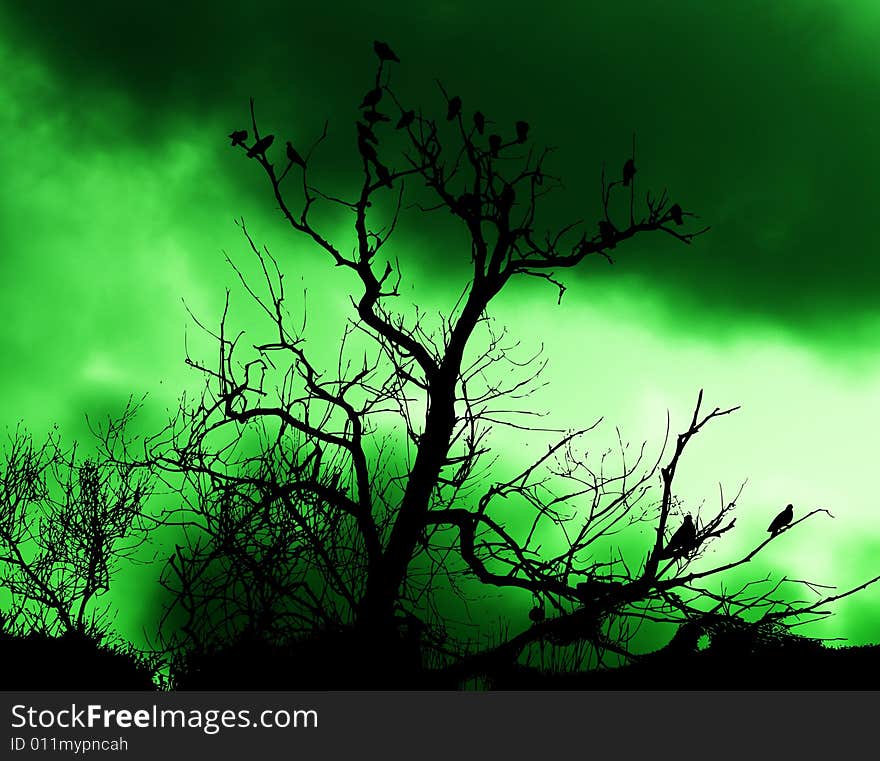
{"type": "Point", "coordinates": [293, 155]}
{"type": "Point", "coordinates": [781, 520]}
{"type": "Point", "coordinates": [506, 199]}
{"type": "Point", "coordinates": [454, 107]}
{"type": "Point", "coordinates": [384, 52]}
{"type": "Point", "coordinates": [372, 116]}
{"type": "Point", "coordinates": [479, 121]}
{"type": "Point", "coordinates": [372, 98]}
{"type": "Point", "coordinates": [522, 131]}
{"type": "Point", "coordinates": [366, 133]}
{"type": "Point", "coordinates": [629, 171]}
{"type": "Point", "coordinates": [406, 118]}
{"type": "Point", "coordinates": [260, 146]}
{"type": "Point", "coordinates": [537, 614]}
{"type": "Point", "coordinates": [683, 541]}
{"type": "Point", "coordinates": [238, 136]}
{"type": "Point", "coordinates": [383, 174]}
{"type": "Point", "coordinates": [494, 144]}
{"type": "Point", "coordinates": [676, 213]}
{"type": "Point", "coordinates": [608, 233]}
{"type": "Point", "coordinates": [367, 150]}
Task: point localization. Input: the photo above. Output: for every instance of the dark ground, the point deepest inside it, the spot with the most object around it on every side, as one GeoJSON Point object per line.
{"type": "Point", "coordinates": [38, 662]}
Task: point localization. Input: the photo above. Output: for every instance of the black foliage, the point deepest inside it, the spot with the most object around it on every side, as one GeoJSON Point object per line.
{"type": "Point", "coordinates": [37, 661]}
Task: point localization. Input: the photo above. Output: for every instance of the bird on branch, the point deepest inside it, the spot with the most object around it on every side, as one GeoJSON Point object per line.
{"type": "Point", "coordinates": [676, 213]}
{"type": "Point", "coordinates": [683, 541]}
{"type": "Point", "coordinates": [479, 121]}
{"type": "Point", "coordinates": [238, 136]}
{"type": "Point", "coordinates": [293, 155]}
{"type": "Point", "coordinates": [629, 171]}
{"type": "Point", "coordinates": [781, 520]}
{"type": "Point", "coordinates": [506, 199]}
{"type": "Point", "coordinates": [454, 107]}
{"type": "Point", "coordinates": [372, 98]}
{"type": "Point", "coordinates": [406, 118]}
{"type": "Point", "coordinates": [366, 133]}
{"type": "Point", "coordinates": [494, 144]}
{"type": "Point", "coordinates": [384, 51]}
{"type": "Point", "coordinates": [383, 174]}
{"type": "Point", "coordinates": [522, 131]}
{"type": "Point", "coordinates": [367, 150]}
{"type": "Point", "coordinates": [259, 148]}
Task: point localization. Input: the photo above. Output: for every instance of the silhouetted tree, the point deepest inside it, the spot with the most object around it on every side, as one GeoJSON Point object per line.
{"type": "Point", "coordinates": [305, 518]}
{"type": "Point", "coordinates": [67, 525]}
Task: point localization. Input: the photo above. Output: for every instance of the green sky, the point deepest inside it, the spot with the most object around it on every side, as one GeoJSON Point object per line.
{"type": "Point", "coordinates": [119, 194]}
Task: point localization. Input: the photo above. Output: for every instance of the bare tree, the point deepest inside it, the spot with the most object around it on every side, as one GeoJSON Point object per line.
{"type": "Point", "coordinates": [307, 510]}
{"type": "Point", "coordinates": [66, 526]}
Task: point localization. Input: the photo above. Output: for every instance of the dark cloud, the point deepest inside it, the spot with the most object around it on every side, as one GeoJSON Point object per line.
{"type": "Point", "coordinates": [759, 116]}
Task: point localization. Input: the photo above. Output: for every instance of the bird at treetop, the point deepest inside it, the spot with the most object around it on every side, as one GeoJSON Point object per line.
{"type": "Point", "coordinates": [522, 131]}
{"type": "Point", "coordinates": [293, 155]}
{"type": "Point", "coordinates": [629, 170]}
{"type": "Point", "coordinates": [260, 146]}
{"type": "Point", "coordinates": [384, 52]}
{"type": "Point", "coordinates": [479, 121]}
{"type": "Point", "coordinates": [494, 144]}
{"type": "Point", "coordinates": [454, 107]}
{"type": "Point", "coordinates": [781, 520]}
{"type": "Point", "coordinates": [367, 133]}
{"type": "Point", "coordinates": [372, 116]}
{"type": "Point", "coordinates": [683, 540]}
{"type": "Point", "coordinates": [406, 118]}
{"type": "Point", "coordinates": [676, 213]}
{"type": "Point", "coordinates": [608, 233]}
{"type": "Point", "coordinates": [238, 136]}
{"type": "Point", "coordinates": [372, 98]}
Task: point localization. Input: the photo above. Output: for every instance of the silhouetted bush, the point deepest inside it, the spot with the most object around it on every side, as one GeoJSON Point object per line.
{"type": "Point", "coordinates": [70, 662]}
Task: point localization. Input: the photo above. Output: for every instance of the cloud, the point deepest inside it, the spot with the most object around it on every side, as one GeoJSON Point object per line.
{"type": "Point", "coordinates": [758, 119]}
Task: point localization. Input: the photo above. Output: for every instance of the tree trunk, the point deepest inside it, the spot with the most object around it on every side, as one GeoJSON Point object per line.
{"type": "Point", "coordinates": [383, 586]}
